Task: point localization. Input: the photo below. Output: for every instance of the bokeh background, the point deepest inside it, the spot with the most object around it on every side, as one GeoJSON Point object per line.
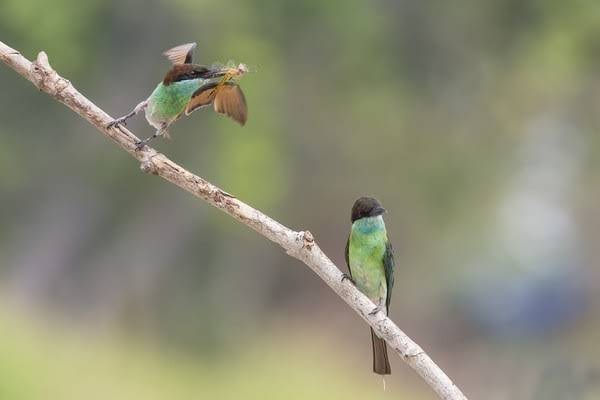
{"type": "Point", "coordinates": [475, 123]}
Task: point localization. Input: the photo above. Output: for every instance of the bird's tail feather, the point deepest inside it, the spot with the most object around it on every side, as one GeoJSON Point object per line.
{"type": "Point", "coordinates": [381, 364]}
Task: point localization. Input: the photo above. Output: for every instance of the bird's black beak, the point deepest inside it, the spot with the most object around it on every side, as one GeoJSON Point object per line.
{"type": "Point", "coordinates": [379, 211]}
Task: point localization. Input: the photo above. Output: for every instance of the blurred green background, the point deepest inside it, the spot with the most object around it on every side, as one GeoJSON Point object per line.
{"type": "Point", "coordinates": [475, 123]}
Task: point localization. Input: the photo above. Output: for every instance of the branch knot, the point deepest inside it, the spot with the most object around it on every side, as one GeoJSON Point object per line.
{"type": "Point", "coordinates": [45, 78]}
{"type": "Point", "coordinates": [146, 163]}
{"type": "Point", "coordinates": [222, 197]}
{"type": "Point", "coordinates": [308, 241]}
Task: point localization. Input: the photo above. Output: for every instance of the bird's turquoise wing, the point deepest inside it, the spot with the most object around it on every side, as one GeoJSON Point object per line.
{"type": "Point", "coordinates": [347, 256]}
{"type": "Point", "coordinates": [388, 264]}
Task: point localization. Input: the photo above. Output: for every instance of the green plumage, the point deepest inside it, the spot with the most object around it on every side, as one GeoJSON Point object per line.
{"type": "Point", "coordinates": [367, 253]}
{"type": "Point", "coordinates": [167, 103]}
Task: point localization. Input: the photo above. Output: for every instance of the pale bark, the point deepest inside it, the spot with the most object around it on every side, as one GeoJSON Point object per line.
{"type": "Point", "coordinates": [298, 244]}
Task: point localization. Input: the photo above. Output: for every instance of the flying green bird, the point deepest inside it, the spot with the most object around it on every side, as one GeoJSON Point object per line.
{"type": "Point", "coordinates": [370, 260]}
{"type": "Point", "coordinates": [188, 87]}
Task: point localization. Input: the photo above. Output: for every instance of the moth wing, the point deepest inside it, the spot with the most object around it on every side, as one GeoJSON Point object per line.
{"type": "Point", "coordinates": [230, 100]}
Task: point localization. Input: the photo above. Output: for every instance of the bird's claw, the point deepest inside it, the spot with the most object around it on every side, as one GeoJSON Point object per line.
{"type": "Point", "coordinates": [117, 122]}
{"type": "Point", "coordinates": [348, 277]}
{"type": "Point", "coordinates": [140, 144]}
{"type": "Point", "coordinates": [375, 310]}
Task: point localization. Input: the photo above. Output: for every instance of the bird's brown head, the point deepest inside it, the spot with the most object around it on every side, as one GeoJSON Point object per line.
{"type": "Point", "coordinates": [366, 207]}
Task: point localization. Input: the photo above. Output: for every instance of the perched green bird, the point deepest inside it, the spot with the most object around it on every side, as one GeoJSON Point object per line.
{"type": "Point", "coordinates": [370, 260]}
{"type": "Point", "coordinates": [187, 87]}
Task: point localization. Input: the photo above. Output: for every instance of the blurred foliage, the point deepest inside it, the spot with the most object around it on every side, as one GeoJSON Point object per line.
{"type": "Point", "coordinates": [69, 365]}
{"type": "Point", "coordinates": [474, 123]}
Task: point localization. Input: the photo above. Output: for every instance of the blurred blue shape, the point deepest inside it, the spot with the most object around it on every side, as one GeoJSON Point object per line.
{"type": "Point", "coordinates": [528, 279]}
{"type": "Point", "coordinates": [528, 304]}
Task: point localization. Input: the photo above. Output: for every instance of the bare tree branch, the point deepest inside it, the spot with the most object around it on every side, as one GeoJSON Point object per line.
{"type": "Point", "coordinates": [300, 245]}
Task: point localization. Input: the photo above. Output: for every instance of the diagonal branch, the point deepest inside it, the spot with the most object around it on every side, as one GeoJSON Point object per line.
{"type": "Point", "coordinates": [298, 244]}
